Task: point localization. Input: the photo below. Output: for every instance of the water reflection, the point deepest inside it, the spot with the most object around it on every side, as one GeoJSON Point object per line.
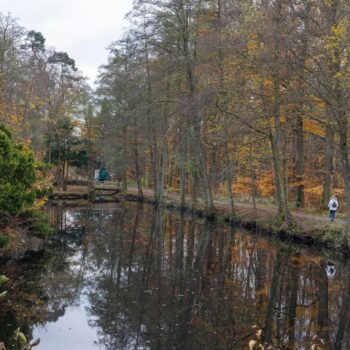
{"type": "Point", "coordinates": [140, 278]}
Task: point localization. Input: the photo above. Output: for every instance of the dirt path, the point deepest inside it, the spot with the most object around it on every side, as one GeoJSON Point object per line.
{"type": "Point", "coordinates": [244, 210]}
{"type": "Point", "coordinates": [305, 219]}
{"type": "Point", "coordinates": [312, 228]}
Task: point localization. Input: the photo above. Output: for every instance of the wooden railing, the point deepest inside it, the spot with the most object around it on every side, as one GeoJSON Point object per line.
{"type": "Point", "coordinates": [105, 185]}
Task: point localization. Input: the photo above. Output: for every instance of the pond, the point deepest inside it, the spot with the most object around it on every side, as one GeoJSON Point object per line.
{"type": "Point", "coordinates": [129, 276]}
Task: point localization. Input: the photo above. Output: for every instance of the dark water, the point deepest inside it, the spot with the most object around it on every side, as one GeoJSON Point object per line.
{"type": "Point", "coordinates": [126, 276]}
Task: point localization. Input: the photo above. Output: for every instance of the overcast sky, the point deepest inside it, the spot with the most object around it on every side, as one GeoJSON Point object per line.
{"type": "Point", "coordinates": [82, 28]}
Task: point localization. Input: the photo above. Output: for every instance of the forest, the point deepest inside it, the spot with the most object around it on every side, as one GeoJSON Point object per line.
{"type": "Point", "coordinates": [242, 100]}
{"type": "Point", "coordinates": [234, 106]}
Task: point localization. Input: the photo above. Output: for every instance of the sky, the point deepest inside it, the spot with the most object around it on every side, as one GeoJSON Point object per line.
{"type": "Point", "coordinates": [82, 28]}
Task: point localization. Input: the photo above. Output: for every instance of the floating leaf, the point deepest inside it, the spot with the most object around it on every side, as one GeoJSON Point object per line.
{"type": "Point", "coordinates": [35, 342]}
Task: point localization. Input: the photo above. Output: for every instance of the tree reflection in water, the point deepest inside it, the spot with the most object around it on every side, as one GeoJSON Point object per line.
{"type": "Point", "coordinates": [42, 285]}
{"type": "Point", "coordinates": [158, 280]}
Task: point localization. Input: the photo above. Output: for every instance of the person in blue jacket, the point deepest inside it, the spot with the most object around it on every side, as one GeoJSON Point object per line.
{"type": "Point", "coordinates": [103, 176]}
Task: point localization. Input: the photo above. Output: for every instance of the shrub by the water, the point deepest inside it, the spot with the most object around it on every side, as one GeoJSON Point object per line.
{"type": "Point", "coordinates": [37, 222]}
{"type": "Point", "coordinates": [17, 176]}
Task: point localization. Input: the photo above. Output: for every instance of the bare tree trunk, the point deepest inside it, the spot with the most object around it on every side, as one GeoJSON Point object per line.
{"type": "Point", "coordinates": [153, 159]}
{"type": "Point", "coordinates": [164, 151]}
{"type": "Point", "coordinates": [253, 180]}
{"type": "Point", "coordinates": [194, 190]}
{"type": "Point", "coordinates": [125, 161]}
{"type": "Point", "coordinates": [283, 211]}
{"type": "Point", "coordinates": [228, 161]}
{"type": "Point", "coordinates": [209, 201]}
{"type": "Point", "coordinates": [137, 168]}
{"type": "Point", "coordinates": [323, 317]}
{"type": "Point", "coordinates": [275, 135]}
{"type": "Point", "coordinates": [64, 175]}
{"type": "Point", "coordinates": [328, 165]}
{"type": "Point", "coordinates": [90, 148]}
{"type": "Point", "coordinates": [153, 145]}
{"type": "Point", "coordinates": [193, 110]}
{"type": "Point", "coordinates": [299, 131]}
{"type": "Point", "coordinates": [299, 162]}
{"type": "Point", "coordinates": [229, 178]}
{"type": "Point", "coordinates": [344, 310]}
{"type": "Point", "coordinates": [294, 283]}
{"type": "Point", "coordinates": [343, 139]}
{"type": "Point", "coordinates": [182, 182]}
{"type": "Point", "coordinates": [273, 296]}
{"type": "Point", "coordinates": [162, 177]}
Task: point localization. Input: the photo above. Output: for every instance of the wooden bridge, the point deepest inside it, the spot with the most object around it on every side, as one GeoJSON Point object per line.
{"type": "Point", "coordinates": [103, 189]}
{"type": "Point", "coordinates": [94, 190]}
{"type": "Point", "coordinates": [105, 186]}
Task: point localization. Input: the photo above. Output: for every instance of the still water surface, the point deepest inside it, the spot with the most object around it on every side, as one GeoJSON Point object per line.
{"type": "Point", "coordinates": [128, 276]}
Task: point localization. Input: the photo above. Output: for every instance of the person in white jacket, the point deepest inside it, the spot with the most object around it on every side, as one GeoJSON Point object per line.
{"type": "Point", "coordinates": [333, 206]}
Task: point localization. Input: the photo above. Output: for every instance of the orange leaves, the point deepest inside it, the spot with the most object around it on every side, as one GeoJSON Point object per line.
{"type": "Point", "coordinates": [314, 128]}
{"type": "Point", "coordinates": [253, 43]}
{"type": "Point", "coordinates": [264, 184]}
{"type": "Point", "coordinates": [242, 185]}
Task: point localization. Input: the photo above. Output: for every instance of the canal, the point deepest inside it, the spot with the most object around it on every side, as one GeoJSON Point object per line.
{"type": "Point", "coordinates": [129, 276]}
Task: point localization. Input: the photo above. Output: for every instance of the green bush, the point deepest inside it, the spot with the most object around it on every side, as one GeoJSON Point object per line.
{"type": "Point", "coordinates": [38, 223]}
{"type": "Point", "coordinates": [17, 176]}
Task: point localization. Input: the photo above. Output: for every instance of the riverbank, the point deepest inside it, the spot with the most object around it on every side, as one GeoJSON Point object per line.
{"type": "Point", "coordinates": [25, 233]}
{"type": "Point", "coordinates": [175, 262]}
{"type": "Point", "coordinates": [311, 229]}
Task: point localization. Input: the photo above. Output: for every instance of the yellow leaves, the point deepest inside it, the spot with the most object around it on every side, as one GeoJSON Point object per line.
{"type": "Point", "coordinates": [300, 260]}
{"type": "Point", "coordinates": [339, 31]}
{"type": "Point", "coordinates": [315, 190]}
{"type": "Point", "coordinates": [268, 84]}
{"type": "Point", "coordinates": [35, 103]}
{"type": "Point", "coordinates": [337, 43]}
{"type": "Point", "coordinates": [26, 147]}
{"type": "Point", "coordinates": [314, 128]}
{"type": "Point", "coordinates": [264, 185]}
{"type": "Point", "coordinates": [12, 115]}
{"type": "Point", "coordinates": [39, 203]}
{"type": "Point", "coordinates": [253, 43]}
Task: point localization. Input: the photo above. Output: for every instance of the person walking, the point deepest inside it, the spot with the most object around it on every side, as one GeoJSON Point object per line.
{"type": "Point", "coordinates": [333, 206]}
